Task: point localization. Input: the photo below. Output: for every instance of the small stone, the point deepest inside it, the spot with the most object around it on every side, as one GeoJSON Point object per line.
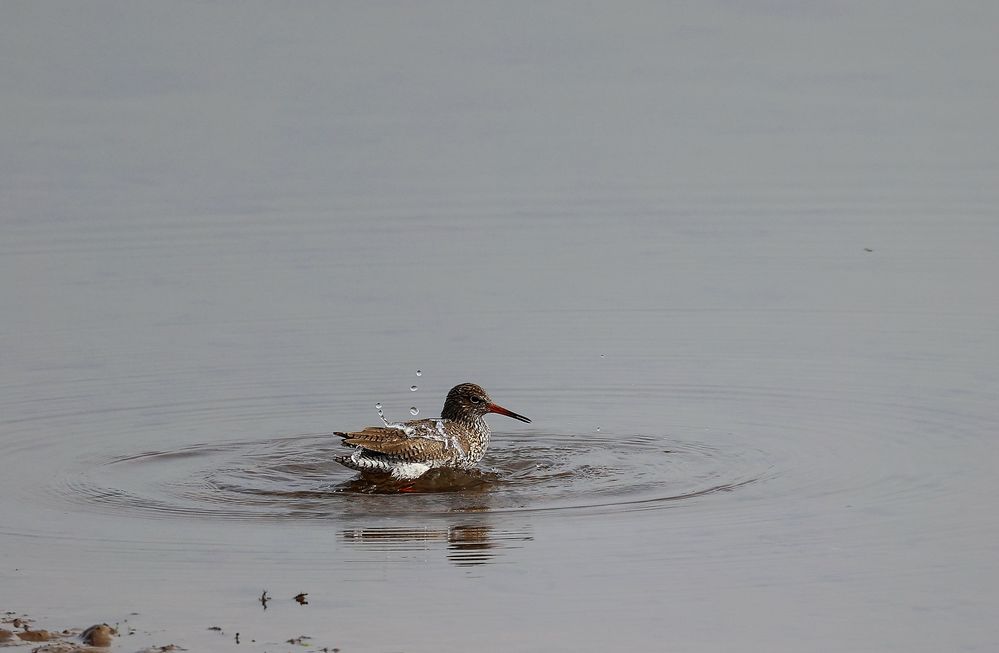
{"type": "Point", "coordinates": [36, 635]}
{"type": "Point", "coordinates": [98, 635]}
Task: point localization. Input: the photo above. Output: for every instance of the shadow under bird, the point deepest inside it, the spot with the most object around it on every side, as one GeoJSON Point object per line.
{"type": "Point", "coordinates": [457, 439]}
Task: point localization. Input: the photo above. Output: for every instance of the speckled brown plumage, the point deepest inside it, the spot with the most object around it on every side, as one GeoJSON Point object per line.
{"type": "Point", "coordinates": [458, 439]}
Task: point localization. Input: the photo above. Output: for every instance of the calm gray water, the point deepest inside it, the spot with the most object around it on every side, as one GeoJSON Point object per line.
{"type": "Point", "coordinates": [737, 261]}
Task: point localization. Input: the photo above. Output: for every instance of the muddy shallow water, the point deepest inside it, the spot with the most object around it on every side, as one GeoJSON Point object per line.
{"type": "Point", "coordinates": [747, 301]}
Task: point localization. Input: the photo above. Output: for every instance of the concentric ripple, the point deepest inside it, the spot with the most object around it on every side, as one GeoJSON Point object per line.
{"type": "Point", "coordinates": [295, 478]}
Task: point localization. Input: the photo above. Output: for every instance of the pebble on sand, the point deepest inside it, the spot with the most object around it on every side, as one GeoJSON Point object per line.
{"type": "Point", "coordinates": [36, 635]}
{"type": "Point", "coordinates": [98, 635]}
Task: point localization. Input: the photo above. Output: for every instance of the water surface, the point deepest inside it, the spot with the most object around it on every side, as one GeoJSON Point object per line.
{"type": "Point", "coordinates": [737, 264]}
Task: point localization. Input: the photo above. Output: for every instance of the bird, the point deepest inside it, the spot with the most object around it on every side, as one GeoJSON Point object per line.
{"type": "Point", "coordinates": [405, 451]}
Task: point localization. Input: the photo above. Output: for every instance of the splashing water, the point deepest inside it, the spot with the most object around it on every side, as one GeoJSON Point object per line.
{"type": "Point", "coordinates": [381, 414]}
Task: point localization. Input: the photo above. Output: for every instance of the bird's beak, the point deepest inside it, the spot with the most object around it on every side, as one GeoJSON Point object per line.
{"type": "Point", "coordinates": [494, 408]}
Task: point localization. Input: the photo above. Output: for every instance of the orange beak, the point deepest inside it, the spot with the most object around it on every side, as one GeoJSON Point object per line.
{"type": "Point", "coordinates": [494, 408]}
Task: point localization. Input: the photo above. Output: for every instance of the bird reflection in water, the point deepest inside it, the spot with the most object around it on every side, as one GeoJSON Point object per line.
{"type": "Point", "coordinates": [474, 540]}
{"type": "Point", "coordinates": [434, 481]}
{"type": "Point", "coordinates": [468, 544]}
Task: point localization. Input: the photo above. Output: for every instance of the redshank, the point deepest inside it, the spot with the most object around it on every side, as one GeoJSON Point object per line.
{"type": "Point", "coordinates": [457, 439]}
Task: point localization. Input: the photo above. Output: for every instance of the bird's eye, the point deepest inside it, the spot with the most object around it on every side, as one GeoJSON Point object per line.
{"type": "Point", "coordinates": [475, 400]}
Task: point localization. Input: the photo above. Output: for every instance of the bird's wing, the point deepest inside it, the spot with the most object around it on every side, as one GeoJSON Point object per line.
{"type": "Point", "coordinates": [422, 441]}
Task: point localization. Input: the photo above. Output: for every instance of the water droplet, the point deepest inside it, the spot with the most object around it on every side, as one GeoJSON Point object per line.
{"type": "Point", "coordinates": [413, 388]}
{"type": "Point", "coordinates": [598, 429]}
{"type": "Point", "coordinates": [414, 410]}
{"type": "Point", "coordinates": [419, 372]}
{"type": "Point", "coordinates": [378, 406]}
{"type": "Point", "coordinates": [603, 355]}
